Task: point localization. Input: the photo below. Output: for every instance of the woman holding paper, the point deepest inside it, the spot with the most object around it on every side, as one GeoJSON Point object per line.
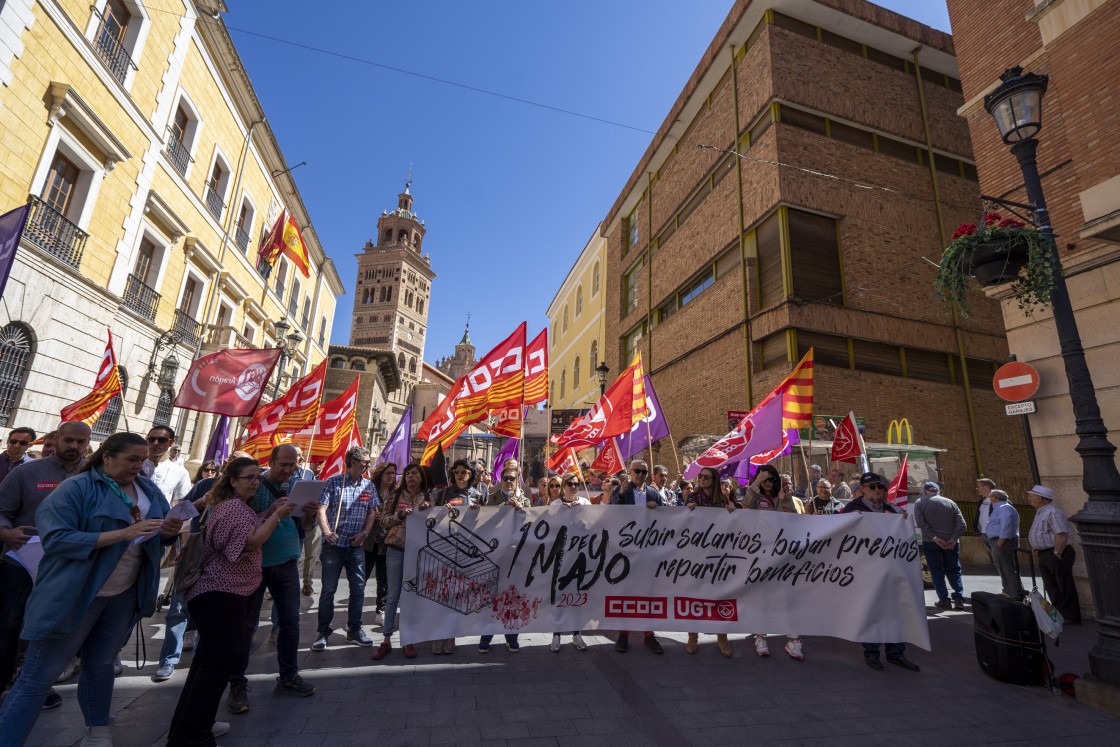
{"type": "Point", "coordinates": [98, 576]}
{"type": "Point", "coordinates": [412, 494]}
{"type": "Point", "coordinates": [219, 601]}
{"type": "Point", "coordinates": [768, 492]}
{"type": "Point", "coordinates": [709, 494]}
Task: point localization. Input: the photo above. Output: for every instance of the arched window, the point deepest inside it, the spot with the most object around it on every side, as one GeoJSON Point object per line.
{"type": "Point", "coordinates": [16, 350]}
{"type": "Point", "coordinates": [563, 383]}
{"type": "Point", "coordinates": [412, 365]}
{"type": "Point", "coordinates": [400, 360]}
{"type": "Point", "coordinates": [338, 363]}
{"type": "Point", "coordinates": [163, 408]}
{"type": "Point", "coordinates": [388, 235]}
{"type": "Point", "coordinates": [579, 300]}
{"type": "Point", "coordinates": [564, 323]}
{"type": "Point", "coordinates": [106, 425]}
{"type": "Point", "coordinates": [575, 376]}
{"type": "Point", "coordinates": [595, 281]}
{"type": "Point", "coordinates": [357, 365]}
{"type": "Point", "coordinates": [593, 359]}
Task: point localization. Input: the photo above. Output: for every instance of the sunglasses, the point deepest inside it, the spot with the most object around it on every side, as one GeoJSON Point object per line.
{"type": "Point", "coordinates": [509, 479]}
{"type": "Point", "coordinates": [572, 484]}
{"type": "Point", "coordinates": [209, 471]}
{"type": "Point", "coordinates": [158, 439]}
{"type": "Point", "coordinates": [706, 477]}
{"type": "Point", "coordinates": [461, 472]}
{"type": "Point", "coordinates": [768, 479]}
{"type": "Point", "coordinates": [876, 486]}
{"type": "Point", "coordinates": [640, 471]}
{"type": "Point", "coordinates": [14, 442]}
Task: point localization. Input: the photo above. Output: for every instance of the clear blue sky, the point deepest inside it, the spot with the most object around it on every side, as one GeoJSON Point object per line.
{"type": "Point", "coordinates": [510, 192]}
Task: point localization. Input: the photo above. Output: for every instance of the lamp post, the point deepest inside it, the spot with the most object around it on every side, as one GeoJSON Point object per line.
{"type": "Point", "coordinates": [1016, 106]}
{"type": "Point", "coordinates": [601, 372]}
{"type": "Point", "coordinates": [287, 346]}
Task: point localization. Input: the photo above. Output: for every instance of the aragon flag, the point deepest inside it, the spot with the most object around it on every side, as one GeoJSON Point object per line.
{"type": "Point", "coordinates": [106, 386]}
{"type": "Point", "coordinates": [616, 412]}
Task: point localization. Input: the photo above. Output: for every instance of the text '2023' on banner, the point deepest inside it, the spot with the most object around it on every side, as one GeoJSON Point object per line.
{"type": "Point", "coordinates": [498, 570]}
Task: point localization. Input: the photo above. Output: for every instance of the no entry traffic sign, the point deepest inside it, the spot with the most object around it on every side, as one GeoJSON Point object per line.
{"type": "Point", "coordinates": [1016, 381]}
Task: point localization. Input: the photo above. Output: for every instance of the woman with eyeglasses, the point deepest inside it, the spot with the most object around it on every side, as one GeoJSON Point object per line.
{"type": "Point", "coordinates": [219, 601]}
{"type": "Point", "coordinates": [384, 479]}
{"type": "Point", "coordinates": [459, 494]}
{"type": "Point", "coordinates": [564, 492]}
{"type": "Point", "coordinates": [410, 496]}
{"type": "Point", "coordinates": [98, 576]}
{"type": "Point", "coordinates": [767, 492]}
{"type": "Point", "coordinates": [506, 493]}
{"type": "Point", "coordinates": [709, 494]}
{"type": "Point", "coordinates": [209, 468]}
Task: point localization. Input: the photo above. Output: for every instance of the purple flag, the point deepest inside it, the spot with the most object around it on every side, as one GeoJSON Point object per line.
{"type": "Point", "coordinates": [744, 471]}
{"type": "Point", "coordinates": [511, 449]}
{"type": "Point", "coordinates": [653, 428]}
{"type": "Point", "coordinates": [11, 229]}
{"type": "Point", "coordinates": [397, 450]}
{"type": "Point", "coordinates": [218, 448]}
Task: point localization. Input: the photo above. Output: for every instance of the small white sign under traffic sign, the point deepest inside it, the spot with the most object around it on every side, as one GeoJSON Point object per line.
{"type": "Point", "coordinates": [1020, 408]}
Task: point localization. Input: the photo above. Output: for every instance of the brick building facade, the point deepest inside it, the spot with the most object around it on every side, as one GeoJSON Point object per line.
{"type": "Point", "coordinates": [823, 232]}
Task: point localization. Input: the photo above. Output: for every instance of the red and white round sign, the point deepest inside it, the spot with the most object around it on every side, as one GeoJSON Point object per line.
{"type": "Point", "coordinates": [1016, 381]}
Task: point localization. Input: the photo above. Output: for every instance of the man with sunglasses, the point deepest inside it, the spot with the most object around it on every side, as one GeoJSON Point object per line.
{"type": "Point", "coordinates": [873, 500]}
{"type": "Point", "coordinates": [16, 454]}
{"type": "Point", "coordinates": [635, 492]}
{"type": "Point", "coordinates": [168, 475]}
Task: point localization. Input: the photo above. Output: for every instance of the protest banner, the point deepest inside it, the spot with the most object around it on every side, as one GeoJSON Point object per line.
{"type": "Point", "coordinates": [497, 570]}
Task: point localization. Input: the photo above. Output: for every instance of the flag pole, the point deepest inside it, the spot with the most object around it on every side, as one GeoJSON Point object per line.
{"type": "Point", "coordinates": [808, 476]}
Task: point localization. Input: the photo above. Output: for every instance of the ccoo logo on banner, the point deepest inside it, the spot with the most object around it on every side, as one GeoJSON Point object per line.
{"type": "Point", "coordinates": [498, 570]}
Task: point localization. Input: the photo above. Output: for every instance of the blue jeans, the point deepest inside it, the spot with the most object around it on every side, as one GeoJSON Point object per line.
{"type": "Point", "coordinates": [944, 564]}
{"type": "Point", "coordinates": [99, 636]}
{"type": "Point", "coordinates": [177, 623]}
{"type": "Point", "coordinates": [871, 650]}
{"type": "Point", "coordinates": [334, 559]}
{"type": "Point", "coordinates": [394, 569]}
{"type": "Point", "coordinates": [282, 582]}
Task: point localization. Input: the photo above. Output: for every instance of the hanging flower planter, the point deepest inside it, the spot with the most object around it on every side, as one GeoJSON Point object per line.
{"type": "Point", "coordinates": [1004, 251]}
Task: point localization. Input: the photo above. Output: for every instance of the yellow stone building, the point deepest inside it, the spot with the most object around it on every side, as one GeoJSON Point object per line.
{"type": "Point", "coordinates": [135, 133]}
{"type": "Point", "coordinates": [575, 328]}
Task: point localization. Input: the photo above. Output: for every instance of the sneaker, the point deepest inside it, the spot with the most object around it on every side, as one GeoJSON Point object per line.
{"type": "Point", "coordinates": [382, 650]}
{"type": "Point", "coordinates": [874, 663]}
{"type": "Point", "coordinates": [579, 643]}
{"type": "Point", "coordinates": [410, 651]}
{"type": "Point", "coordinates": [943, 604]}
{"type": "Point", "coordinates": [484, 647]}
{"type": "Point", "coordinates": [72, 667]}
{"type": "Point", "coordinates": [118, 668]}
{"type": "Point", "coordinates": [238, 700]}
{"type": "Point", "coordinates": [190, 637]}
{"type": "Point", "coordinates": [296, 685]}
{"type": "Point", "coordinates": [760, 646]}
{"type": "Point", "coordinates": [220, 728]}
{"type": "Point", "coordinates": [379, 618]}
{"type": "Point", "coordinates": [437, 647]}
{"type": "Point", "coordinates": [98, 736]}
{"type": "Point", "coordinates": [958, 604]}
{"type": "Point", "coordinates": [513, 646]}
{"type": "Point", "coordinates": [163, 673]}
{"type": "Point", "coordinates": [358, 637]}
{"type": "Point", "coordinates": [793, 648]}
{"type": "Point", "coordinates": [653, 645]}
{"type": "Point", "coordinates": [320, 643]}
{"type": "Point", "coordinates": [622, 645]}
{"type": "Point", "coordinates": [555, 645]}
{"type": "Point", "coordinates": [903, 662]}
{"type": "Point", "coordinates": [54, 700]}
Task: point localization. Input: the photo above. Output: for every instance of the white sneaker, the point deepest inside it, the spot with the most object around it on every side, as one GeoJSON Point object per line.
{"type": "Point", "coordinates": [189, 639]}
{"type": "Point", "coordinates": [793, 648]}
{"type": "Point", "coordinates": [555, 645]}
{"type": "Point", "coordinates": [579, 643]}
{"type": "Point", "coordinates": [219, 728]}
{"type": "Point", "coordinates": [379, 618]}
{"type": "Point", "coordinates": [98, 736]}
{"type": "Point", "coordinates": [760, 646]}
{"type": "Point", "coordinates": [320, 644]}
{"type": "Point", "coordinates": [72, 668]}
{"type": "Point", "coordinates": [163, 673]}
{"type": "Point", "coordinates": [118, 669]}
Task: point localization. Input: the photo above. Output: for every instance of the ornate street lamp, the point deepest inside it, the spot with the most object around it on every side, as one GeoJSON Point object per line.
{"type": "Point", "coordinates": [167, 372]}
{"type": "Point", "coordinates": [601, 372]}
{"type": "Point", "coordinates": [1017, 108]}
{"type": "Point", "coordinates": [287, 350]}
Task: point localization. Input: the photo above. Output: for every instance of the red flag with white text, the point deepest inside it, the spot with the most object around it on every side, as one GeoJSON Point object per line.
{"type": "Point", "coordinates": [621, 406]}
{"type": "Point", "coordinates": [335, 463]}
{"type": "Point", "coordinates": [563, 461]}
{"type": "Point", "coordinates": [229, 382]}
{"type": "Point", "coordinates": [609, 459]}
{"type": "Point", "coordinates": [846, 443]}
{"type": "Point", "coordinates": [536, 369]}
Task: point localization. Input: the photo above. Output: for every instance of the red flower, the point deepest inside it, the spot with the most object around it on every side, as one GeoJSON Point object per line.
{"type": "Point", "coordinates": [1011, 223]}
{"type": "Point", "coordinates": [992, 218]}
{"type": "Point", "coordinates": [965, 229]}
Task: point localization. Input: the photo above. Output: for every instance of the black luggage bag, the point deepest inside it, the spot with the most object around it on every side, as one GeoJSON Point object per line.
{"type": "Point", "coordinates": [1008, 643]}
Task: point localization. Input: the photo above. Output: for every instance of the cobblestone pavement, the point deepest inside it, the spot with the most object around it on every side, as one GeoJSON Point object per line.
{"type": "Point", "coordinates": [599, 697]}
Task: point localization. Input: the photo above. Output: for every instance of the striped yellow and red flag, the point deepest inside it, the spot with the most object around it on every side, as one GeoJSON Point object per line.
{"type": "Point", "coordinates": [536, 369]}
{"type": "Point", "coordinates": [498, 380]}
{"type": "Point", "coordinates": [797, 395]}
{"type": "Point", "coordinates": [285, 238]}
{"type": "Point", "coordinates": [107, 385]}
{"type": "Point", "coordinates": [282, 419]}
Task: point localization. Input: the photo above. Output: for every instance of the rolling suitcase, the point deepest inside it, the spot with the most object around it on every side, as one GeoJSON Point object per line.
{"type": "Point", "coordinates": [1009, 645]}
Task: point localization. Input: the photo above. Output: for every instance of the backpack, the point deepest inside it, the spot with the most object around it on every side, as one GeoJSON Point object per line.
{"type": "Point", "coordinates": [189, 567]}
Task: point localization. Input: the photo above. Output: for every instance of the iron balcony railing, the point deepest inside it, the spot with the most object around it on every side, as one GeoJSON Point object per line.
{"type": "Point", "coordinates": [49, 230]}
{"type": "Point", "coordinates": [242, 239]}
{"type": "Point", "coordinates": [141, 298]}
{"type": "Point", "coordinates": [214, 202]}
{"type": "Point", "coordinates": [111, 51]}
{"type": "Point", "coordinates": [187, 327]}
{"type": "Point", "coordinates": [178, 154]}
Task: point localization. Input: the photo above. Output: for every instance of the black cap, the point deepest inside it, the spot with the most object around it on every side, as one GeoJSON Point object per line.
{"type": "Point", "coordinates": [871, 478]}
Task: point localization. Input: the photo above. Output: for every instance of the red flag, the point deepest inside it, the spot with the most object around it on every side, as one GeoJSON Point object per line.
{"type": "Point", "coordinates": [509, 422]}
{"type": "Point", "coordinates": [563, 461]}
{"type": "Point", "coordinates": [295, 411]}
{"type": "Point", "coordinates": [285, 238]}
{"type": "Point", "coordinates": [106, 386]}
{"type": "Point", "coordinates": [335, 463]}
{"type": "Point", "coordinates": [536, 369]}
{"type": "Point", "coordinates": [797, 395]}
{"type": "Point", "coordinates": [609, 459]}
{"type": "Point", "coordinates": [622, 405]}
{"type": "Point", "coordinates": [898, 492]}
{"type": "Point", "coordinates": [443, 425]}
{"type": "Point", "coordinates": [229, 382]}
{"type": "Point", "coordinates": [498, 380]}
{"type": "Point", "coordinates": [332, 426]}
{"type": "Point", "coordinates": [846, 443]}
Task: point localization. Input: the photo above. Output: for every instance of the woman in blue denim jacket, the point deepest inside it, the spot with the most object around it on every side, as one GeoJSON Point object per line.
{"type": "Point", "coordinates": [99, 575]}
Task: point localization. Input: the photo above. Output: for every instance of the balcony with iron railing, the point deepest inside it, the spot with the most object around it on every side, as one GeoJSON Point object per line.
{"type": "Point", "coordinates": [179, 155]}
{"type": "Point", "coordinates": [111, 51]}
{"type": "Point", "coordinates": [139, 297]}
{"type": "Point", "coordinates": [187, 328]}
{"type": "Point", "coordinates": [223, 338]}
{"type": "Point", "coordinates": [49, 230]}
{"type": "Point", "coordinates": [242, 239]}
{"type": "Point", "coordinates": [214, 202]}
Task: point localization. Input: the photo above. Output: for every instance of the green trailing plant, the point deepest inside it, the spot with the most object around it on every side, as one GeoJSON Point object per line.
{"type": "Point", "coordinates": [1017, 243]}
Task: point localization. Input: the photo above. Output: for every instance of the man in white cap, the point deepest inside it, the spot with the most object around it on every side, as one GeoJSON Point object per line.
{"type": "Point", "coordinates": [1049, 537]}
{"type": "Point", "coordinates": [942, 525]}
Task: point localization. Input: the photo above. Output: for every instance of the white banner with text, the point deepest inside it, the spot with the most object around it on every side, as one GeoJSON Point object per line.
{"type": "Point", "coordinates": [498, 570]}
